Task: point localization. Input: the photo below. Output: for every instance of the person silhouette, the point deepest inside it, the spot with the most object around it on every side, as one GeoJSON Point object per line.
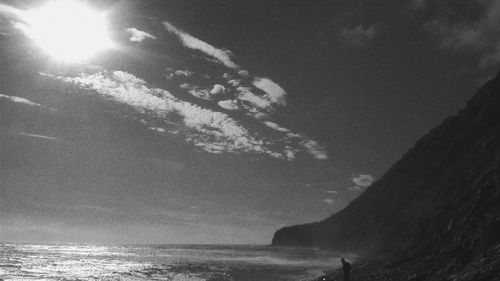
{"type": "Point", "coordinates": [346, 267]}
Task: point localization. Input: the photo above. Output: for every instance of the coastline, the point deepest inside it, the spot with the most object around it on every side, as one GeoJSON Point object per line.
{"type": "Point", "coordinates": [407, 268]}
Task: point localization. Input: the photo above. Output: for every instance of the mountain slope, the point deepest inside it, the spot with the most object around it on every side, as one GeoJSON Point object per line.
{"type": "Point", "coordinates": [441, 199]}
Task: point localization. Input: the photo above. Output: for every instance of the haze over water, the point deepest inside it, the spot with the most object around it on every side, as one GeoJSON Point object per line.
{"type": "Point", "coordinates": [162, 262]}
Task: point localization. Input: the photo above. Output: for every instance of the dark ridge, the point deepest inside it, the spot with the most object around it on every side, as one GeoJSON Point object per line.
{"type": "Point", "coordinates": [440, 201]}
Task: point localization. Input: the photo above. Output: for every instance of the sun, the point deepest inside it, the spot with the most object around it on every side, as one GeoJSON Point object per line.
{"type": "Point", "coordinates": [68, 30]}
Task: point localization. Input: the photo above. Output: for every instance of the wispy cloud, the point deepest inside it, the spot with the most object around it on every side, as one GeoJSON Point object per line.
{"type": "Point", "coordinates": [329, 201]}
{"type": "Point", "coordinates": [260, 98]}
{"type": "Point", "coordinates": [275, 126]}
{"type": "Point", "coordinates": [234, 82]}
{"type": "Point", "coordinates": [359, 35]}
{"type": "Point", "coordinates": [314, 148]}
{"type": "Point", "coordinates": [417, 5]}
{"type": "Point", "coordinates": [171, 73]}
{"type": "Point", "coordinates": [273, 91]}
{"type": "Point", "coordinates": [229, 104]}
{"type": "Point", "coordinates": [36, 136]}
{"type": "Point", "coordinates": [206, 94]}
{"type": "Point", "coordinates": [480, 35]}
{"type": "Point", "coordinates": [217, 89]}
{"type": "Point", "coordinates": [5, 13]}
{"type": "Point", "coordinates": [223, 56]}
{"type": "Point", "coordinates": [23, 101]}
{"type": "Point", "coordinates": [210, 130]}
{"type": "Point", "coordinates": [258, 106]}
{"type": "Point", "coordinates": [257, 96]}
{"type": "Point", "coordinates": [356, 188]}
{"type": "Point", "coordinates": [137, 35]}
{"type": "Point", "coordinates": [311, 147]}
{"type": "Point", "coordinates": [296, 141]}
{"type": "Point", "coordinates": [19, 100]}
{"type": "Point", "coordinates": [253, 101]}
{"type": "Point", "coordinates": [10, 11]}
{"type": "Point", "coordinates": [196, 91]}
{"type": "Point", "coordinates": [158, 129]}
{"type": "Point", "coordinates": [185, 73]}
{"type": "Point", "coordinates": [363, 180]}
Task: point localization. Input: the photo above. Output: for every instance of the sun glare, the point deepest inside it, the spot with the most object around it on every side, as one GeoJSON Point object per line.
{"type": "Point", "coordinates": [68, 30]}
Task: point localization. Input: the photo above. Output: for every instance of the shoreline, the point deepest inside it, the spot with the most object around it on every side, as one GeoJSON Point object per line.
{"type": "Point", "coordinates": [484, 267]}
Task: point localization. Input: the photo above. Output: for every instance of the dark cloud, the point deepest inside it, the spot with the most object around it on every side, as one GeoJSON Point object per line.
{"type": "Point", "coordinates": [418, 5]}
{"type": "Point", "coordinates": [479, 33]}
{"type": "Point", "coordinates": [359, 35]}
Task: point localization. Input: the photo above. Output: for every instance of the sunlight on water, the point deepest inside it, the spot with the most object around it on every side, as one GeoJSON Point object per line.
{"type": "Point", "coordinates": [177, 263]}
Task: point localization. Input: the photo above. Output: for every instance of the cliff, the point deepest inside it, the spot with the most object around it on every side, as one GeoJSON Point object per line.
{"type": "Point", "coordinates": [440, 200]}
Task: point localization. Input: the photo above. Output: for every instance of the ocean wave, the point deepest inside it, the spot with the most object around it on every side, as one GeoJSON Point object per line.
{"type": "Point", "coordinates": [173, 263]}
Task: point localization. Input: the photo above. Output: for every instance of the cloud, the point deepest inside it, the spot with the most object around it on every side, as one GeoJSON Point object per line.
{"type": "Point", "coordinates": [275, 126]}
{"type": "Point", "coordinates": [185, 73]}
{"type": "Point", "coordinates": [314, 149]}
{"type": "Point", "coordinates": [311, 147]}
{"type": "Point", "coordinates": [223, 56]}
{"type": "Point", "coordinates": [200, 93]}
{"type": "Point", "coordinates": [210, 130]}
{"type": "Point", "coordinates": [356, 188]}
{"type": "Point", "coordinates": [244, 73]}
{"type": "Point", "coordinates": [260, 105]}
{"type": "Point", "coordinates": [258, 96]}
{"type": "Point", "coordinates": [36, 136]}
{"type": "Point", "coordinates": [206, 94]}
{"type": "Point", "coordinates": [480, 35]}
{"type": "Point", "coordinates": [218, 89]}
{"type": "Point", "coordinates": [417, 5]}
{"type": "Point", "coordinates": [22, 101]}
{"type": "Point", "coordinates": [137, 35]}
{"type": "Point", "coordinates": [359, 36]}
{"type": "Point", "coordinates": [4, 28]}
{"type": "Point", "coordinates": [363, 180]}
{"type": "Point", "coordinates": [170, 73]}
{"type": "Point", "coordinates": [158, 129]}
{"type": "Point", "coordinates": [329, 201]}
{"type": "Point", "coordinates": [229, 104]}
{"type": "Point", "coordinates": [332, 191]}
{"type": "Point", "coordinates": [290, 153]}
{"type": "Point", "coordinates": [256, 104]}
{"type": "Point", "coordinates": [274, 93]}
{"type": "Point", "coordinates": [9, 11]}
{"type": "Point", "coordinates": [195, 91]}
{"type": "Point", "coordinates": [234, 82]}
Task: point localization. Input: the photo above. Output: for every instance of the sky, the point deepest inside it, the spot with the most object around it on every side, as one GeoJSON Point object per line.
{"type": "Point", "coordinates": [220, 121]}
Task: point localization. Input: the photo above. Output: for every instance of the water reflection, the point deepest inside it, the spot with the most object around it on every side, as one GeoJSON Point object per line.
{"type": "Point", "coordinates": [225, 263]}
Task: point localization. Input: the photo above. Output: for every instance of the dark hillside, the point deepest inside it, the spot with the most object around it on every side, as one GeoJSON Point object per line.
{"type": "Point", "coordinates": [441, 199]}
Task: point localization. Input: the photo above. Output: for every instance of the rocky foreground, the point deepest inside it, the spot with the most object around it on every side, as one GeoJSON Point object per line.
{"type": "Point", "coordinates": [483, 268]}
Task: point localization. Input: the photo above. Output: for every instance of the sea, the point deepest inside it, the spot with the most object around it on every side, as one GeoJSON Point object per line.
{"type": "Point", "coordinates": [164, 262]}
